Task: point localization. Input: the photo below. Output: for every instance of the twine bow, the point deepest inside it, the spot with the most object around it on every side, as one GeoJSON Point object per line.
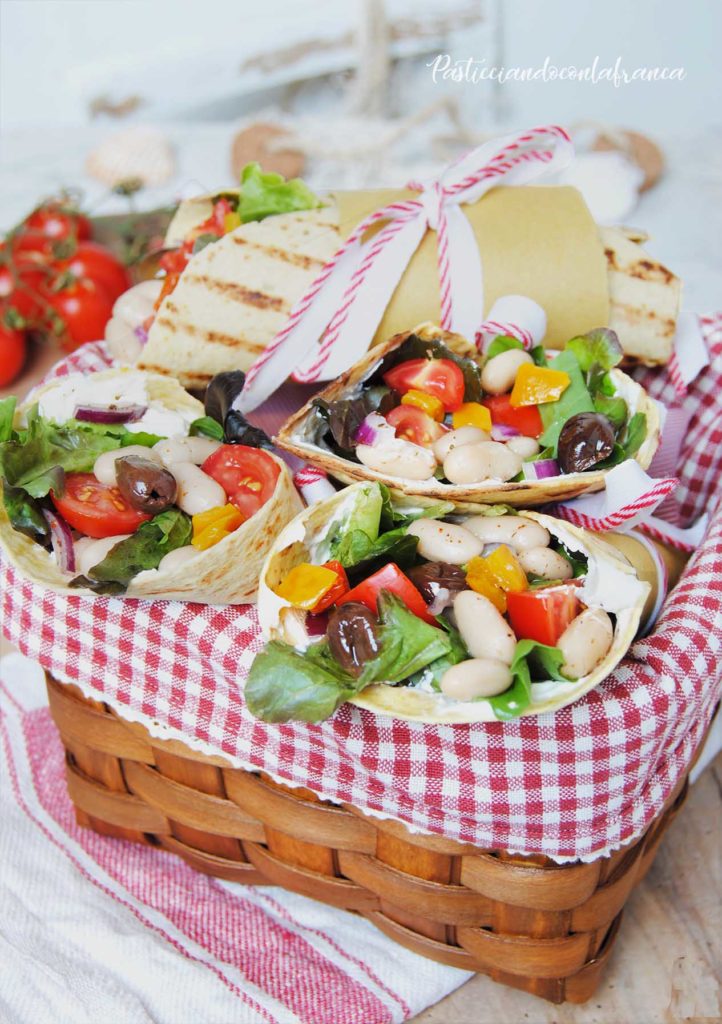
{"type": "Point", "coordinates": [347, 300]}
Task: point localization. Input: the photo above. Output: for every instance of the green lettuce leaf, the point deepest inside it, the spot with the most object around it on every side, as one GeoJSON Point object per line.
{"type": "Point", "coordinates": [529, 656]}
{"type": "Point", "coordinates": [615, 409]}
{"type": "Point", "coordinates": [574, 399]}
{"type": "Point", "coordinates": [143, 550]}
{"type": "Point", "coordinates": [539, 355]}
{"type": "Point", "coordinates": [629, 443]}
{"type": "Point", "coordinates": [599, 347]}
{"type": "Point", "coordinates": [25, 514]}
{"type": "Point", "coordinates": [578, 561]}
{"type": "Point", "coordinates": [7, 412]}
{"type": "Point", "coordinates": [206, 426]}
{"type": "Point", "coordinates": [354, 529]}
{"type": "Point", "coordinates": [36, 463]}
{"type": "Point", "coordinates": [434, 671]}
{"type": "Point", "coordinates": [288, 685]}
{"type": "Point", "coordinates": [407, 643]}
{"type": "Point", "coordinates": [264, 195]}
{"type": "Point", "coordinates": [502, 344]}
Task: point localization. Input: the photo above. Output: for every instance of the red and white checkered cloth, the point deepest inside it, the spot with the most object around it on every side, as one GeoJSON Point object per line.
{"type": "Point", "coordinates": [573, 784]}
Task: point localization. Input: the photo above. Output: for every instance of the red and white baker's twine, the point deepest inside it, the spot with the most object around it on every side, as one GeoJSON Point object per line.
{"type": "Point", "coordinates": [660, 490]}
{"type": "Point", "coordinates": [495, 327]}
{"type": "Point", "coordinates": [515, 161]}
{"type": "Point", "coordinates": [308, 475]}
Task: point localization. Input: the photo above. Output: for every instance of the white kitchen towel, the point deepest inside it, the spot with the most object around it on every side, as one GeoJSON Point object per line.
{"type": "Point", "coordinates": [102, 931]}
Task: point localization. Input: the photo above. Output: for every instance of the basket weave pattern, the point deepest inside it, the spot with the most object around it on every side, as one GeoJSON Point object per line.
{"type": "Point", "coordinates": [525, 921]}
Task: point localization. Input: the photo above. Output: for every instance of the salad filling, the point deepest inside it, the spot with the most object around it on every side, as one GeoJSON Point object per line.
{"type": "Point", "coordinates": [429, 411]}
{"type": "Point", "coordinates": [115, 481]}
{"type": "Point", "coordinates": [495, 608]}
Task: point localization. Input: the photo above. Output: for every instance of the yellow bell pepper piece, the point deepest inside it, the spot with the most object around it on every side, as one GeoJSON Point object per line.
{"type": "Point", "coordinates": [231, 221]}
{"type": "Point", "coordinates": [472, 414]}
{"type": "Point", "coordinates": [430, 404]}
{"type": "Point", "coordinates": [215, 524]}
{"type": "Point", "coordinates": [480, 579]}
{"type": "Point", "coordinates": [306, 584]}
{"type": "Point", "coordinates": [535, 385]}
{"type": "Point", "coordinates": [503, 567]}
{"type": "Point", "coordinates": [210, 536]}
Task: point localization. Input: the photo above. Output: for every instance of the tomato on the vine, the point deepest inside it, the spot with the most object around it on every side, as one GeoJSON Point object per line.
{"type": "Point", "coordinates": [55, 222]}
{"type": "Point", "coordinates": [23, 291]}
{"type": "Point", "coordinates": [12, 352]}
{"type": "Point", "coordinates": [85, 308]}
{"type": "Point", "coordinates": [98, 264]}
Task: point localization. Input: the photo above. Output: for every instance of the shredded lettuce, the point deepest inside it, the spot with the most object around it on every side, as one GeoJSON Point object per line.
{"type": "Point", "coordinates": [264, 195]}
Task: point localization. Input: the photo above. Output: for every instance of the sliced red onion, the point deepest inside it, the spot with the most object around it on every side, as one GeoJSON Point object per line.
{"type": "Point", "coordinates": [500, 432]}
{"type": "Point", "coordinates": [316, 625]}
{"type": "Point", "coordinates": [541, 470]}
{"type": "Point", "coordinates": [374, 430]}
{"type": "Point", "coordinates": [62, 540]}
{"type": "Point", "coordinates": [105, 414]}
{"type": "Point", "coordinates": [141, 334]}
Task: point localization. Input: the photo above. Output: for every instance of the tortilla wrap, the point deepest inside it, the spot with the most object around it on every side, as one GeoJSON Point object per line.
{"type": "Point", "coordinates": [611, 583]}
{"type": "Point", "coordinates": [236, 294]}
{"type": "Point", "coordinates": [226, 573]}
{"type": "Point", "coordinates": [294, 437]}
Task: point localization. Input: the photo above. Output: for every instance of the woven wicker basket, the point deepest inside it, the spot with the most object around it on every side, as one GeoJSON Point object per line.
{"type": "Point", "coordinates": [524, 921]}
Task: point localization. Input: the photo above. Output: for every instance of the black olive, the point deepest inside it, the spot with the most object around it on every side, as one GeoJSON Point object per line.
{"type": "Point", "coordinates": [144, 484]}
{"type": "Point", "coordinates": [221, 393]}
{"type": "Point", "coordinates": [353, 636]}
{"type": "Point", "coordinates": [432, 578]}
{"type": "Point", "coordinates": [585, 440]}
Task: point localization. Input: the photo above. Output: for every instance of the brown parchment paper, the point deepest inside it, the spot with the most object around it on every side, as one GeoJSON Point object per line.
{"type": "Point", "coordinates": [534, 240]}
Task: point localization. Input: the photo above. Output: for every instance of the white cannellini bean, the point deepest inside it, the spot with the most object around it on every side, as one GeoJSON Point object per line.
{"type": "Point", "coordinates": [544, 562]}
{"type": "Point", "coordinates": [400, 458]}
{"type": "Point", "coordinates": [478, 677]}
{"type": "Point", "coordinates": [185, 449]}
{"type": "Point", "coordinates": [474, 463]}
{"type": "Point", "coordinates": [445, 542]}
{"type": "Point", "coordinates": [197, 492]}
{"type": "Point", "coordinates": [456, 438]}
{"type": "Point", "coordinates": [136, 305]}
{"type": "Point", "coordinates": [499, 373]}
{"type": "Point", "coordinates": [94, 551]}
{"type": "Point", "coordinates": [121, 339]}
{"type": "Point", "coordinates": [585, 642]}
{"type": "Point", "coordinates": [524, 446]}
{"type": "Point", "coordinates": [104, 467]}
{"type": "Point", "coordinates": [517, 532]}
{"type": "Point", "coordinates": [483, 629]}
{"type": "Point", "coordinates": [177, 557]}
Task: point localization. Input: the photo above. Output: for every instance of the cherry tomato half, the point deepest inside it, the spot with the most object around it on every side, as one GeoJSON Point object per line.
{"type": "Point", "coordinates": [393, 579]}
{"type": "Point", "coordinates": [438, 377]}
{"type": "Point", "coordinates": [12, 353]}
{"type": "Point", "coordinates": [98, 264]}
{"type": "Point", "coordinates": [525, 419]}
{"type": "Point", "coordinates": [85, 309]}
{"type": "Point", "coordinates": [247, 475]}
{"type": "Point", "coordinates": [94, 509]}
{"type": "Point", "coordinates": [415, 425]}
{"type": "Point", "coordinates": [542, 614]}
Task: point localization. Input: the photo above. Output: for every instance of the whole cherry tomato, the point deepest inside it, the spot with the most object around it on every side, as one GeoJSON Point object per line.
{"type": "Point", "coordinates": [98, 264]}
{"type": "Point", "coordinates": [56, 222]}
{"type": "Point", "coordinates": [85, 309]}
{"type": "Point", "coordinates": [12, 353]}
